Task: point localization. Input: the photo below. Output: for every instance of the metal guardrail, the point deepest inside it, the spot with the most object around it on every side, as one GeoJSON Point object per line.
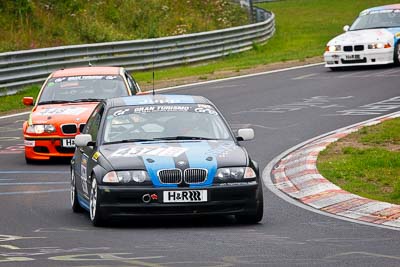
{"type": "Point", "coordinates": [21, 68]}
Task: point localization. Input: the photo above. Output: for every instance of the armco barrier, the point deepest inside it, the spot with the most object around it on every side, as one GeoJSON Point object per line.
{"type": "Point", "coordinates": [21, 68]}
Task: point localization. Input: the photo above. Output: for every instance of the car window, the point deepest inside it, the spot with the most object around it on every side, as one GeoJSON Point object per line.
{"type": "Point", "coordinates": [133, 87]}
{"type": "Point", "coordinates": [377, 19]}
{"type": "Point", "coordinates": [161, 121]}
{"type": "Point", "coordinates": [93, 124]}
{"type": "Point", "coordinates": [83, 87]}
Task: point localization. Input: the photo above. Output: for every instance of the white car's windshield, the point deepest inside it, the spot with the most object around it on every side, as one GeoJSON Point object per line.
{"type": "Point", "coordinates": [377, 19]}
{"type": "Point", "coordinates": [164, 122]}
{"type": "Point", "coordinates": [75, 88]}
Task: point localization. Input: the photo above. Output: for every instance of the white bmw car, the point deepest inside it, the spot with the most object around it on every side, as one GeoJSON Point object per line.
{"type": "Point", "coordinates": [372, 39]}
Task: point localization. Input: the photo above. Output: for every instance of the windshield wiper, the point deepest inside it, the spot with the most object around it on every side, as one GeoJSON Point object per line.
{"type": "Point", "coordinates": [87, 100]}
{"type": "Point", "coordinates": [53, 102]}
{"type": "Point", "coordinates": [183, 137]}
{"type": "Point", "coordinates": [370, 28]}
{"type": "Point", "coordinates": [128, 141]}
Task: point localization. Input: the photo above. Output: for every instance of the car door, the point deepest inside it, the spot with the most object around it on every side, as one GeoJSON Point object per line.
{"type": "Point", "coordinates": [86, 163]}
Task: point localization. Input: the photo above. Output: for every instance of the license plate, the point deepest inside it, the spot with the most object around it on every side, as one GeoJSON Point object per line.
{"type": "Point", "coordinates": [68, 142]}
{"type": "Point", "coordinates": [350, 57]}
{"type": "Point", "coordinates": [185, 196]}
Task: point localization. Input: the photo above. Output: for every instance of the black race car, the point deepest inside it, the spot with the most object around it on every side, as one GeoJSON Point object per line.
{"type": "Point", "coordinates": [163, 155]}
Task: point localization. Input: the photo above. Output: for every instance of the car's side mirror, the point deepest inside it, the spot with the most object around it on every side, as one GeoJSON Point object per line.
{"type": "Point", "coordinates": [346, 28]}
{"type": "Point", "coordinates": [245, 134]}
{"type": "Point", "coordinates": [27, 101]}
{"type": "Point", "coordinates": [83, 140]}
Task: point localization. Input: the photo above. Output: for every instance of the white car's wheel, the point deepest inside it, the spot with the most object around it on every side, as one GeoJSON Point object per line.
{"type": "Point", "coordinates": [95, 212]}
{"type": "Point", "coordinates": [74, 197]}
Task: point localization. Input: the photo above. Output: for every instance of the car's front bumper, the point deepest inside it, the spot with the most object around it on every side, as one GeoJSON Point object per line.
{"type": "Point", "coordinates": [44, 148]}
{"type": "Point", "coordinates": [359, 58]}
{"type": "Point", "coordinates": [125, 201]}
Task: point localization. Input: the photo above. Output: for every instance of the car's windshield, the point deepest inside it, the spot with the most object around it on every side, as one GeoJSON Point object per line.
{"type": "Point", "coordinates": [82, 87]}
{"type": "Point", "coordinates": [164, 122]}
{"type": "Point", "coordinates": [377, 19]}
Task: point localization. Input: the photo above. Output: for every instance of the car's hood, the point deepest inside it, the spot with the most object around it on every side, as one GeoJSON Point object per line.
{"type": "Point", "coordinates": [155, 156]}
{"type": "Point", "coordinates": [62, 113]}
{"type": "Point", "coordinates": [364, 37]}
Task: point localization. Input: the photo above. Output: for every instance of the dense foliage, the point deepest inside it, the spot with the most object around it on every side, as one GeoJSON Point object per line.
{"type": "Point", "coordinates": [28, 24]}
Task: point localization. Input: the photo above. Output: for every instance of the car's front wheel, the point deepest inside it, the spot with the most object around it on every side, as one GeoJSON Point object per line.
{"type": "Point", "coordinates": [256, 215]}
{"type": "Point", "coordinates": [96, 215]}
{"type": "Point", "coordinates": [74, 197]}
{"type": "Point", "coordinates": [396, 56]}
{"type": "Point", "coordinates": [336, 68]}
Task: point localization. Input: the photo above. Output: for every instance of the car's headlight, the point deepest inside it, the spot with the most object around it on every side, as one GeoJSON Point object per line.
{"type": "Point", "coordinates": [234, 173]}
{"type": "Point", "coordinates": [41, 128]}
{"type": "Point", "coordinates": [333, 48]}
{"type": "Point", "coordinates": [126, 177]}
{"type": "Point", "coordinates": [378, 45]}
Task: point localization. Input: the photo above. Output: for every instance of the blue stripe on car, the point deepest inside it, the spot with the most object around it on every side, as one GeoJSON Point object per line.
{"type": "Point", "coordinates": [83, 202]}
{"type": "Point", "coordinates": [197, 154]}
{"type": "Point", "coordinates": [154, 164]}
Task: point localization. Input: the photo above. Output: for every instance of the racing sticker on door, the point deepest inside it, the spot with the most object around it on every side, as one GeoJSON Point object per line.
{"type": "Point", "coordinates": [84, 173]}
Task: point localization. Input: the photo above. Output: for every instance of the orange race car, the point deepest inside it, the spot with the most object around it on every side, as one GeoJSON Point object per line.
{"type": "Point", "coordinates": [64, 103]}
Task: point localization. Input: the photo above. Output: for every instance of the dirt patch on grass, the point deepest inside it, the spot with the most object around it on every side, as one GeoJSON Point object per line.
{"type": "Point", "coordinates": [353, 141]}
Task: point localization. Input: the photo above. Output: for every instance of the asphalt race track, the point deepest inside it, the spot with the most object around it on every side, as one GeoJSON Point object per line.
{"type": "Point", "coordinates": [38, 228]}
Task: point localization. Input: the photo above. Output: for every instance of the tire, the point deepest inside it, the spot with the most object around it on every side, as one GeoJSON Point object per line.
{"type": "Point", "coordinates": [96, 214]}
{"type": "Point", "coordinates": [255, 216]}
{"type": "Point", "coordinates": [29, 161]}
{"type": "Point", "coordinates": [336, 68]}
{"type": "Point", "coordinates": [396, 54]}
{"type": "Point", "coordinates": [76, 207]}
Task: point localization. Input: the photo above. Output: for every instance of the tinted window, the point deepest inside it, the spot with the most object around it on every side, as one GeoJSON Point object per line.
{"type": "Point", "coordinates": [93, 124]}
{"type": "Point", "coordinates": [377, 19]}
{"type": "Point", "coordinates": [132, 84]}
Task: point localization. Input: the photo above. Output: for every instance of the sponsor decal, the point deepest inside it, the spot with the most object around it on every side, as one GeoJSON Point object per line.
{"type": "Point", "coordinates": [29, 143]}
{"type": "Point", "coordinates": [205, 110]}
{"type": "Point", "coordinates": [63, 111]}
{"type": "Point", "coordinates": [134, 151]}
{"type": "Point", "coordinates": [166, 108]}
{"type": "Point", "coordinates": [96, 155]}
{"type": "Point", "coordinates": [82, 78]}
{"type": "Point", "coordinates": [120, 112]}
{"type": "Point", "coordinates": [84, 173]}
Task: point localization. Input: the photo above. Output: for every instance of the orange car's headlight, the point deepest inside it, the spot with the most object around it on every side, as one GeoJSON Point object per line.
{"type": "Point", "coordinates": [41, 128]}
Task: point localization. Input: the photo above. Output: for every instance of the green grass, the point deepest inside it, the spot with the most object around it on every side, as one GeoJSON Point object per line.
{"type": "Point", "coordinates": [14, 102]}
{"type": "Point", "coordinates": [27, 24]}
{"type": "Point", "coordinates": [366, 163]}
{"type": "Point", "coordinates": [303, 27]}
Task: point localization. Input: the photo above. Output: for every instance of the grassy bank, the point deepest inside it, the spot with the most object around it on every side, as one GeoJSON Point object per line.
{"type": "Point", "coordinates": [303, 28]}
{"type": "Point", "coordinates": [366, 163]}
{"type": "Point", "coordinates": [28, 24]}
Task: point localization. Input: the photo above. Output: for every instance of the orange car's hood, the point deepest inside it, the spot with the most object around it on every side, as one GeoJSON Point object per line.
{"type": "Point", "coordinates": [62, 113]}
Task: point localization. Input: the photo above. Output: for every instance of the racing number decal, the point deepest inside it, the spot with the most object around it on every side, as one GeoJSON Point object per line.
{"type": "Point", "coordinates": [84, 173]}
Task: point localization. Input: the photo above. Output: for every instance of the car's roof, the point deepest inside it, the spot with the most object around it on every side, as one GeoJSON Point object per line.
{"type": "Point", "coordinates": [87, 71]}
{"type": "Point", "coordinates": [379, 8]}
{"type": "Point", "coordinates": [139, 100]}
